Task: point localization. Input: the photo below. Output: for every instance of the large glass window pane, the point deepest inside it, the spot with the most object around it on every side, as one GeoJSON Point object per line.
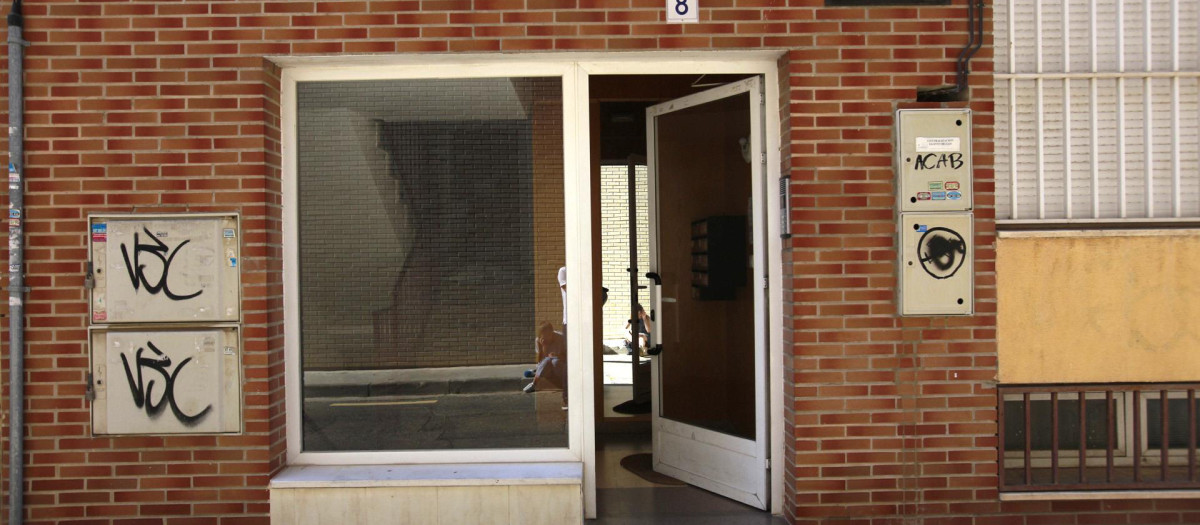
{"type": "Point", "coordinates": [431, 238]}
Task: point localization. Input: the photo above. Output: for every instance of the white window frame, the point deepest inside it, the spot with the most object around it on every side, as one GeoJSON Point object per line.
{"type": "Point", "coordinates": [574, 69]}
{"type": "Point", "coordinates": [1122, 454]}
{"type": "Point", "coordinates": [1152, 456]}
{"type": "Point", "coordinates": [1007, 82]}
{"type": "Point", "coordinates": [1096, 457]}
{"type": "Point", "coordinates": [578, 241]}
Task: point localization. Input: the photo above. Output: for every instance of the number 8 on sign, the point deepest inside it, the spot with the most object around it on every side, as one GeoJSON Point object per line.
{"type": "Point", "coordinates": [683, 11]}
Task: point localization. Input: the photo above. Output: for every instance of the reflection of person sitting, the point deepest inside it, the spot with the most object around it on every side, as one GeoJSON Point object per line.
{"type": "Point", "coordinates": [551, 371]}
{"type": "Point", "coordinates": [643, 337]}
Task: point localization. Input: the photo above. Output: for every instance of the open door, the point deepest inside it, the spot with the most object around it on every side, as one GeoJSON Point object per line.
{"type": "Point", "coordinates": [707, 238]}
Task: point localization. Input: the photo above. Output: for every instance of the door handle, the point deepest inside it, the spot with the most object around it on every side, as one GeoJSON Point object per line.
{"type": "Point", "coordinates": [656, 346]}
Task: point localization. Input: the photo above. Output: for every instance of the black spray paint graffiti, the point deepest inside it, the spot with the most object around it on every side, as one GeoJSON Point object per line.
{"type": "Point", "coordinates": [931, 161]}
{"type": "Point", "coordinates": [942, 252]}
{"type": "Point", "coordinates": [137, 271]}
{"type": "Point", "coordinates": [143, 393]}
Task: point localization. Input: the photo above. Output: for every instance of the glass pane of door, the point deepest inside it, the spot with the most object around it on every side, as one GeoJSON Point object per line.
{"type": "Point", "coordinates": [704, 256]}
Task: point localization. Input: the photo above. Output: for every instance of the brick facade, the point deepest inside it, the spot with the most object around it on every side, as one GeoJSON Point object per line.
{"type": "Point", "coordinates": [614, 247]}
{"type": "Point", "coordinates": [171, 107]}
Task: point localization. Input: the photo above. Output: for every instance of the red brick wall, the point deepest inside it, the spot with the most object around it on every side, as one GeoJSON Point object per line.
{"type": "Point", "coordinates": [118, 122]}
{"type": "Point", "coordinates": [168, 106]}
{"type": "Point", "coordinates": [893, 417]}
{"type": "Point", "coordinates": [272, 322]}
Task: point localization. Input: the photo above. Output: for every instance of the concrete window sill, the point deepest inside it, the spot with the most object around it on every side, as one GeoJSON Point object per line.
{"type": "Point", "coordinates": [1100, 494]}
{"type": "Point", "coordinates": [446, 475]}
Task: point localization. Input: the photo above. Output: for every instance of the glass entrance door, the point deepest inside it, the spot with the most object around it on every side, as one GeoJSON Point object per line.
{"type": "Point", "coordinates": [706, 208]}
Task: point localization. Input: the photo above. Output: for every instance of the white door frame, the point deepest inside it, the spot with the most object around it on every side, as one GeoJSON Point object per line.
{"type": "Point", "coordinates": [732, 466]}
{"type": "Point", "coordinates": [578, 174]}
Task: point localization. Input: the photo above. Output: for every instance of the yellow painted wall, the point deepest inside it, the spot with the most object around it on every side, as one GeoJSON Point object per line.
{"type": "Point", "coordinates": [1103, 306]}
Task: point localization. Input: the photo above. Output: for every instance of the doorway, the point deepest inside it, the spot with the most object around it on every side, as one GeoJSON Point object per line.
{"type": "Point", "coordinates": [678, 165]}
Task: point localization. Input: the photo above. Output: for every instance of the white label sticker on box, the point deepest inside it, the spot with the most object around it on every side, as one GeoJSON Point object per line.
{"type": "Point", "coordinates": [938, 145]}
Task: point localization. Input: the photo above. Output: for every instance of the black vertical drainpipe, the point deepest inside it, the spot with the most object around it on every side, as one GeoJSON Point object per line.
{"type": "Point", "coordinates": [957, 92]}
{"type": "Point", "coordinates": [16, 267]}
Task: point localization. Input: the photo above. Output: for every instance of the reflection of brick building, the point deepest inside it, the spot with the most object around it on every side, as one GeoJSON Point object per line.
{"type": "Point", "coordinates": [484, 289]}
{"type": "Point", "coordinates": [614, 188]}
{"type": "Point", "coordinates": [457, 250]}
{"type": "Point", "coordinates": [177, 107]}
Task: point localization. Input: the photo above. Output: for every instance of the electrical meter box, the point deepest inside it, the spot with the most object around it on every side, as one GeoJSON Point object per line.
{"type": "Point", "coordinates": [933, 159]}
{"type": "Point", "coordinates": [166, 380]}
{"type": "Point", "coordinates": [937, 264]}
{"type": "Point", "coordinates": [165, 268]}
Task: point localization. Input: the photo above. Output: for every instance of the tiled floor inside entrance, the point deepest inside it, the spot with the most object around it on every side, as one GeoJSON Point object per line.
{"type": "Point", "coordinates": [623, 498]}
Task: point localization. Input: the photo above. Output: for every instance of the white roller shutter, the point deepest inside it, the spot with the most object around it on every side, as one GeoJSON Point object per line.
{"type": "Point", "coordinates": [1088, 123]}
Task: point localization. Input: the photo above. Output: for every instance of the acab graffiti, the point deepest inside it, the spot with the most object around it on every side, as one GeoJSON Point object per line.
{"type": "Point", "coordinates": [159, 250]}
{"type": "Point", "coordinates": [932, 161]}
{"type": "Point", "coordinates": [143, 389]}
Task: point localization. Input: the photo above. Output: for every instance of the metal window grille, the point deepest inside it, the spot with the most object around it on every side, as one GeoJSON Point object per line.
{"type": "Point", "coordinates": [1098, 437]}
{"type": "Point", "coordinates": [1097, 109]}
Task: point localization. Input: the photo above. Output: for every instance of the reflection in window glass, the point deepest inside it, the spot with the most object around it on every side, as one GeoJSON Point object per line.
{"type": "Point", "coordinates": [431, 234]}
{"type": "Point", "coordinates": [1068, 424]}
{"type": "Point", "coordinates": [614, 220]}
{"type": "Point", "coordinates": [1177, 422]}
